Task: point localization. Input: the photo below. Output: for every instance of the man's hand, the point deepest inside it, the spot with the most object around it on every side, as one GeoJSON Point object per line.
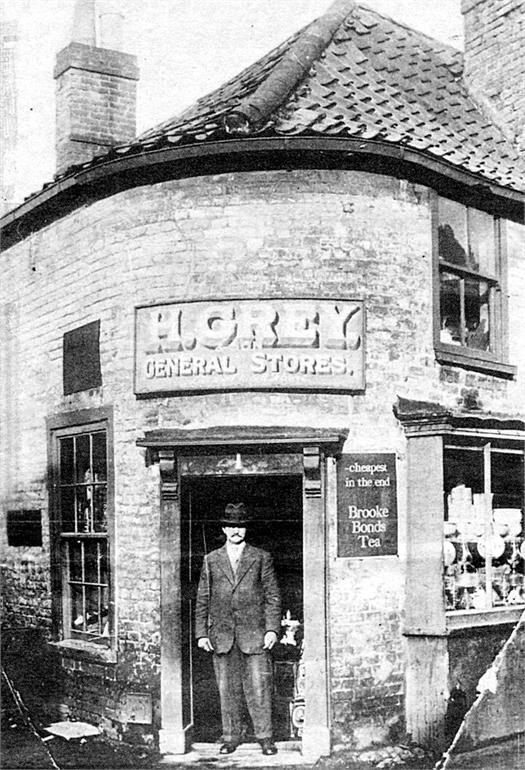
{"type": "Point", "coordinates": [205, 644]}
{"type": "Point", "coordinates": [270, 638]}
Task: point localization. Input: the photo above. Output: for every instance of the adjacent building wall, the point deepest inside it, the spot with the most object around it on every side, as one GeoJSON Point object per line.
{"type": "Point", "coordinates": [494, 61]}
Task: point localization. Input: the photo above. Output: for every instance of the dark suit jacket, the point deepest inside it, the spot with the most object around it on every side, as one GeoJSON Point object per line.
{"type": "Point", "coordinates": [241, 607]}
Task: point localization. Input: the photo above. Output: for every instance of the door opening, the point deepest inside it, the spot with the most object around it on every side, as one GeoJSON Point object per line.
{"type": "Point", "coordinates": [276, 504]}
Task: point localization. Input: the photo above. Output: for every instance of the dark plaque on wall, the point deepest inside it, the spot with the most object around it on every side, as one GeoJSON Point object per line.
{"type": "Point", "coordinates": [81, 358]}
{"type": "Point", "coordinates": [24, 528]}
{"type": "Point", "coordinates": [366, 505]}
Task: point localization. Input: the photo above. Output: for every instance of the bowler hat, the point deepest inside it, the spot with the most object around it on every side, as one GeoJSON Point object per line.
{"type": "Point", "coordinates": [235, 515]}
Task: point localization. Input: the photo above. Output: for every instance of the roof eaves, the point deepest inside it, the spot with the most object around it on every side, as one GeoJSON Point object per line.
{"type": "Point", "coordinates": [97, 181]}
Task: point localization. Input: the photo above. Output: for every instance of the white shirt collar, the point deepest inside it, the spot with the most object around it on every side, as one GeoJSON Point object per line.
{"type": "Point", "coordinates": [235, 550]}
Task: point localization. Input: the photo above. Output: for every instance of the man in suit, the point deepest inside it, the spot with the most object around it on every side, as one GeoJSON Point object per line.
{"type": "Point", "coordinates": [238, 618]}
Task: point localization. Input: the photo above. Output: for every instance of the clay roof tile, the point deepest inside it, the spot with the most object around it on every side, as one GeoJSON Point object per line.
{"type": "Point", "coordinates": [354, 72]}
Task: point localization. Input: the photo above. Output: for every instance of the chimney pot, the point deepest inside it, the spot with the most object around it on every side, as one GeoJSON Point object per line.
{"type": "Point", "coordinates": [95, 89]}
{"type": "Point", "coordinates": [84, 25]}
{"type": "Point", "coordinates": [111, 30]}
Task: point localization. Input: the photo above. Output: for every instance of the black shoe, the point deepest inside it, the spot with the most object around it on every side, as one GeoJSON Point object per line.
{"type": "Point", "coordinates": [268, 747]}
{"type": "Point", "coordinates": [227, 748]}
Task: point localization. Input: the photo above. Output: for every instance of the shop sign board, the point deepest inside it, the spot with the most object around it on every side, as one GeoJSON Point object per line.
{"type": "Point", "coordinates": [366, 505]}
{"type": "Point", "coordinates": [277, 344]}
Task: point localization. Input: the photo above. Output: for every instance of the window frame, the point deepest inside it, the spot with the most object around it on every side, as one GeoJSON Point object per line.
{"type": "Point", "coordinates": [494, 361]}
{"type": "Point", "coordinates": [495, 614]}
{"type": "Point", "coordinates": [426, 432]}
{"type": "Point", "coordinates": [58, 427]}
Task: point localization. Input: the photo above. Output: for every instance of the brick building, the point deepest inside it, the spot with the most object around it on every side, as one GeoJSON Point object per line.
{"type": "Point", "coordinates": [306, 292]}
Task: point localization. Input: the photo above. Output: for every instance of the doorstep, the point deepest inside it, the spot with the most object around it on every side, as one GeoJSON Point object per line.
{"type": "Point", "coordinates": [246, 755]}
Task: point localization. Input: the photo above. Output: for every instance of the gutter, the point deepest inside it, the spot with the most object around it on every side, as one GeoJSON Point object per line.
{"type": "Point", "coordinates": [110, 176]}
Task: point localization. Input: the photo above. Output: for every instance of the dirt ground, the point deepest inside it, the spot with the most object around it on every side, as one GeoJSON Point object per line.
{"type": "Point", "coordinates": [22, 748]}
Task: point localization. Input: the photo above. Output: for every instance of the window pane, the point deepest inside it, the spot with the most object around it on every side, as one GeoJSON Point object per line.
{"type": "Point", "coordinates": [482, 241]}
{"type": "Point", "coordinates": [66, 461]}
{"type": "Point", "coordinates": [104, 600]}
{"type": "Point", "coordinates": [91, 557]}
{"type": "Point", "coordinates": [83, 470]}
{"type": "Point", "coordinates": [507, 470]}
{"type": "Point", "coordinates": [67, 509]}
{"type": "Point", "coordinates": [507, 479]}
{"type": "Point", "coordinates": [450, 302]}
{"type": "Point", "coordinates": [77, 608]}
{"type": "Point", "coordinates": [452, 232]}
{"type": "Point", "coordinates": [463, 471]}
{"type": "Point", "coordinates": [100, 521]}
{"type": "Point", "coordinates": [97, 612]}
{"type": "Point", "coordinates": [83, 495]}
{"type": "Point", "coordinates": [477, 313]}
{"type": "Point", "coordinates": [93, 610]}
{"type": "Point", "coordinates": [99, 457]}
{"type": "Point", "coordinates": [463, 480]}
{"type": "Point", "coordinates": [103, 562]}
{"type": "Point", "coordinates": [75, 561]}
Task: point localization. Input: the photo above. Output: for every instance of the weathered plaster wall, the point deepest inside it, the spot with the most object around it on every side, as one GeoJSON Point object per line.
{"type": "Point", "coordinates": [471, 652]}
{"type": "Point", "coordinates": [499, 710]}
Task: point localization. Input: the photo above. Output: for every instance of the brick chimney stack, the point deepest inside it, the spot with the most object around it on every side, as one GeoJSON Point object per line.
{"type": "Point", "coordinates": [96, 87]}
{"type": "Point", "coordinates": [495, 60]}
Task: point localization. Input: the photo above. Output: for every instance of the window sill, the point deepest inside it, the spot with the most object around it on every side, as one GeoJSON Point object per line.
{"type": "Point", "coordinates": [461, 619]}
{"type": "Point", "coordinates": [472, 359]}
{"type": "Point", "coordinates": [430, 631]}
{"type": "Point", "coordinates": [78, 648]}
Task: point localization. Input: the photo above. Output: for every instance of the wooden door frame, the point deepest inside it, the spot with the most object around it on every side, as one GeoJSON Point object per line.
{"type": "Point", "coordinates": [219, 467]}
{"type": "Point", "coordinates": [315, 445]}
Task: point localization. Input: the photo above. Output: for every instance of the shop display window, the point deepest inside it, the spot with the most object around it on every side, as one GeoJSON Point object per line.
{"type": "Point", "coordinates": [470, 285]}
{"type": "Point", "coordinates": [484, 546]}
{"type": "Point", "coordinates": [81, 527]}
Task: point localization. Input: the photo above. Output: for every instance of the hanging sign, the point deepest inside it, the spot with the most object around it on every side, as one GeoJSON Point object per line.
{"type": "Point", "coordinates": [281, 344]}
{"type": "Point", "coordinates": [366, 505]}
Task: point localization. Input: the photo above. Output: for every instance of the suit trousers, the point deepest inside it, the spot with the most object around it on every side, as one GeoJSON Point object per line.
{"type": "Point", "coordinates": [237, 672]}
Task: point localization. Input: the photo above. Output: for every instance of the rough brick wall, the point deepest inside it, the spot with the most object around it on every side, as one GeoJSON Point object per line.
{"type": "Point", "coordinates": [366, 653]}
{"type": "Point", "coordinates": [494, 60]}
{"type": "Point", "coordinates": [298, 233]}
{"type": "Point", "coordinates": [95, 102]}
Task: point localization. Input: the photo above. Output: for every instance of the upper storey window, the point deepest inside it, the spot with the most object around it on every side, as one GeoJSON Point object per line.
{"type": "Point", "coordinates": [470, 278]}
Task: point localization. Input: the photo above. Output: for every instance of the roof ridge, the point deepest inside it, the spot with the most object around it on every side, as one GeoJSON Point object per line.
{"type": "Point", "coordinates": [234, 79]}
{"type": "Point", "coordinates": [254, 109]}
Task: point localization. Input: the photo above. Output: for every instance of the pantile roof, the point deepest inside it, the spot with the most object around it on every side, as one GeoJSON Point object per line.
{"type": "Point", "coordinates": [354, 73]}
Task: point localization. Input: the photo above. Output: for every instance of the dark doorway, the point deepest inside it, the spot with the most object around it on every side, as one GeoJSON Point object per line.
{"type": "Point", "coordinates": [276, 505]}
